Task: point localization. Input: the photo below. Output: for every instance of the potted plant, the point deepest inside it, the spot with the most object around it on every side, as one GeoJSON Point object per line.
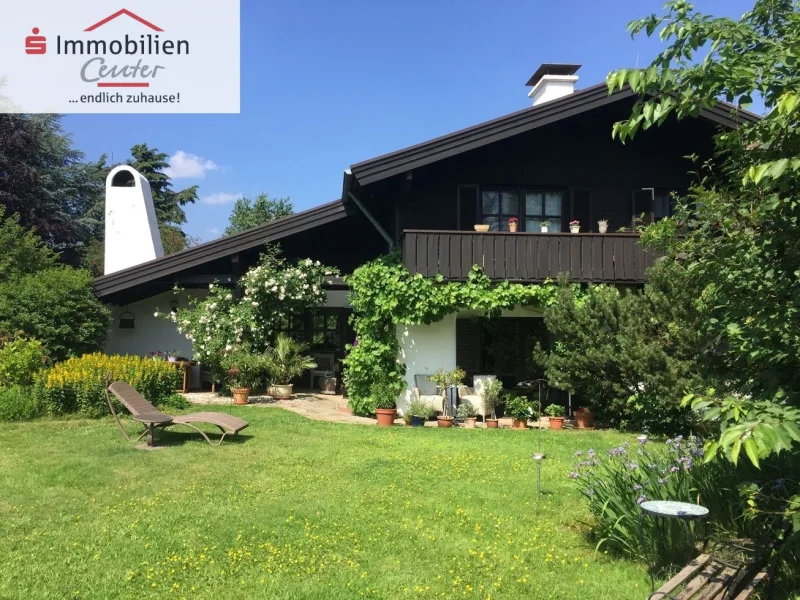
{"type": "Point", "coordinates": [173, 355]}
{"type": "Point", "coordinates": [491, 396]}
{"type": "Point", "coordinates": [602, 225]}
{"type": "Point", "coordinates": [584, 418]}
{"type": "Point", "coordinates": [513, 223]}
{"type": "Point", "coordinates": [467, 412]}
{"type": "Point", "coordinates": [544, 225]}
{"type": "Point", "coordinates": [285, 361]}
{"type": "Point", "coordinates": [448, 382]}
{"type": "Point", "coordinates": [245, 372]}
{"type": "Point", "coordinates": [575, 226]}
{"type": "Point", "coordinates": [519, 409]}
{"type": "Point", "coordinates": [418, 412]}
{"type": "Point", "coordinates": [157, 355]}
{"type": "Point", "coordinates": [384, 392]}
{"type": "Point", "coordinates": [483, 227]}
{"type": "Point", "coordinates": [556, 414]}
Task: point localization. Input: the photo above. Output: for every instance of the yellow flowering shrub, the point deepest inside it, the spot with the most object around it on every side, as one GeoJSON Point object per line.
{"type": "Point", "coordinates": [77, 384]}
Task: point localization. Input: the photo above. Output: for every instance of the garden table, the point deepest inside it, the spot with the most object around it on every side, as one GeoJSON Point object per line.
{"type": "Point", "coordinates": [150, 420]}
{"type": "Point", "coordinates": [668, 509]}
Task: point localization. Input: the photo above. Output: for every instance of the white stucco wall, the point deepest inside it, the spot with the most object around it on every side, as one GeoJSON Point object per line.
{"type": "Point", "coordinates": [337, 299]}
{"type": "Point", "coordinates": [150, 332]}
{"type": "Point", "coordinates": [426, 348]}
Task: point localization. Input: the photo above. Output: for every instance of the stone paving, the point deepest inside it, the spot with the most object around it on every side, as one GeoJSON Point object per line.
{"type": "Point", "coordinates": [320, 407]}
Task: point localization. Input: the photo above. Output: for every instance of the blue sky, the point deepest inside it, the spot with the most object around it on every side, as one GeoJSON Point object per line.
{"type": "Point", "coordinates": [327, 84]}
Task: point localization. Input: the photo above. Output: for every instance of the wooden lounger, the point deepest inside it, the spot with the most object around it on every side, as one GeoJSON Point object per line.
{"type": "Point", "coordinates": [706, 578]}
{"type": "Point", "coordinates": [143, 411]}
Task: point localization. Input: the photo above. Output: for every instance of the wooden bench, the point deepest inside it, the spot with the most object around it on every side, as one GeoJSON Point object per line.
{"type": "Point", "coordinates": [706, 578]}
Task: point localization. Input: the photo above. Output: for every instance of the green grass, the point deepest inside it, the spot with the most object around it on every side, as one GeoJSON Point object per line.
{"type": "Point", "coordinates": [298, 509]}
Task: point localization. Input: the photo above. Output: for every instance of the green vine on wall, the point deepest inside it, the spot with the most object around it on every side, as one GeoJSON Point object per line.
{"type": "Point", "coordinates": [383, 294]}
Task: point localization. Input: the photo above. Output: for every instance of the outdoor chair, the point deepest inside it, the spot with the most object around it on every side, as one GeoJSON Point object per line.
{"type": "Point", "coordinates": [475, 395]}
{"type": "Point", "coordinates": [428, 392]}
{"type": "Point", "coordinates": [325, 366]}
{"type": "Point", "coordinates": [144, 412]}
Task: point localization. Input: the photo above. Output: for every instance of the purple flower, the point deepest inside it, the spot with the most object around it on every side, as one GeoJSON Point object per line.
{"type": "Point", "coordinates": [673, 469]}
{"type": "Point", "coordinates": [637, 487]}
{"type": "Point", "coordinates": [591, 452]}
{"type": "Point", "coordinates": [640, 499]}
{"type": "Point", "coordinates": [661, 481]}
{"type": "Point", "coordinates": [589, 493]}
{"type": "Point", "coordinates": [632, 466]}
{"type": "Point", "coordinates": [574, 475]}
{"type": "Point", "coordinates": [642, 439]}
{"type": "Point", "coordinates": [355, 343]}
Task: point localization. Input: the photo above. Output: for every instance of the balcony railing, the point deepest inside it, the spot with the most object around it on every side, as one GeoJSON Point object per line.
{"type": "Point", "coordinates": [609, 257]}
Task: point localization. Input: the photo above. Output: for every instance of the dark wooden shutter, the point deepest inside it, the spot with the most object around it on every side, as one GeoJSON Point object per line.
{"type": "Point", "coordinates": [468, 346]}
{"type": "Point", "coordinates": [582, 209]}
{"type": "Point", "coordinates": [468, 214]}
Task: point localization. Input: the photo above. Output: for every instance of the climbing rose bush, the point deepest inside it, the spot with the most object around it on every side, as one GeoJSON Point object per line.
{"type": "Point", "coordinates": [273, 291]}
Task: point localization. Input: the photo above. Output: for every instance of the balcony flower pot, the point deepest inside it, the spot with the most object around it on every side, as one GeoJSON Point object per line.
{"type": "Point", "coordinates": [574, 228]}
{"type": "Point", "coordinates": [513, 224]}
{"type": "Point", "coordinates": [172, 359]}
{"type": "Point", "coordinates": [543, 228]}
{"type": "Point", "coordinates": [240, 395]}
{"type": "Point", "coordinates": [602, 226]}
{"type": "Point", "coordinates": [417, 421]}
{"type": "Point", "coordinates": [282, 392]}
{"type": "Point", "coordinates": [443, 421]}
{"type": "Point", "coordinates": [385, 416]}
{"type": "Point", "coordinates": [492, 423]}
{"type": "Point", "coordinates": [481, 228]}
{"type": "Point", "coordinates": [556, 422]}
{"type": "Point", "coordinates": [469, 422]}
{"type": "Point", "coordinates": [519, 424]}
{"type": "Point", "coordinates": [584, 419]}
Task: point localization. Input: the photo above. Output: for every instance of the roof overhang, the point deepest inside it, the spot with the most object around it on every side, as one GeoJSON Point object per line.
{"type": "Point", "coordinates": [173, 264]}
{"type": "Point", "coordinates": [579, 102]}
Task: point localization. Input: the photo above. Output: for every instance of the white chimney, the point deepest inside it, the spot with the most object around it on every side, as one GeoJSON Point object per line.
{"type": "Point", "coordinates": [132, 235]}
{"type": "Point", "coordinates": [552, 81]}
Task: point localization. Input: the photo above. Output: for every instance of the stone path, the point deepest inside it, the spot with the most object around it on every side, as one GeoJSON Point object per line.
{"type": "Point", "coordinates": [319, 407]}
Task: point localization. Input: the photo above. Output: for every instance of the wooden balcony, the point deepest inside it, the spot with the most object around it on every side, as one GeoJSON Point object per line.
{"type": "Point", "coordinates": [531, 257]}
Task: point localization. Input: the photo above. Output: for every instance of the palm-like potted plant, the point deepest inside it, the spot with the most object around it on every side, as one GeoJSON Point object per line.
{"type": "Point", "coordinates": [286, 360]}
{"type": "Point", "coordinates": [245, 372]}
{"type": "Point", "coordinates": [448, 382]}
{"type": "Point", "coordinates": [467, 413]}
{"type": "Point", "coordinates": [491, 396]}
{"type": "Point", "coordinates": [556, 414]}
{"type": "Point", "coordinates": [519, 409]}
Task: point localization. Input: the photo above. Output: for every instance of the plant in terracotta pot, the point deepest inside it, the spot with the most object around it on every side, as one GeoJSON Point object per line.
{"type": "Point", "coordinates": [448, 382]}
{"type": "Point", "coordinates": [519, 409]}
{"type": "Point", "coordinates": [584, 418]}
{"type": "Point", "coordinates": [385, 392]}
{"type": "Point", "coordinates": [513, 224]}
{"type": "Point", "coordinates": [556, 414]}
{"type": "Point", "coordinates": [467, 413]}
{"type": "Point", "coordinates": [245, 372]}
{"type": "Point", "coordinates": [418, 412]}
{"type": "Point", "coordinates": [286, 360]}
{"type": "Point", "coordinates": [491, 396]}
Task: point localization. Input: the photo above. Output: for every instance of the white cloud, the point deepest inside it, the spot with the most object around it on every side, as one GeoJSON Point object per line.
{"type": "Point", "coordinates": [220, 198]}
{"type": "Point", "coordinates": [183, 165]}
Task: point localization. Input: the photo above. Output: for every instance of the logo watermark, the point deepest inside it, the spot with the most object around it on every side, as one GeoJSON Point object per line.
{"type": "Point", "coordinates": [153, 56]}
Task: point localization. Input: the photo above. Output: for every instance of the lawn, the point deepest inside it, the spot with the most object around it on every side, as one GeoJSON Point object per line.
{"type": "Point", "coordinates": [298, 509]}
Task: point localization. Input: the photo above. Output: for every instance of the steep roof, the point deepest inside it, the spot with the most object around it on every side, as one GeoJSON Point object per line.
{"type": "Point", "coordinates": [581, 101]}
{"type": "Point", "coordinates": [221, 248]}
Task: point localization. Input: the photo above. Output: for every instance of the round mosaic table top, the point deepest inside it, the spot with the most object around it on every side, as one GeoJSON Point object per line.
{"type": "Point", "coordinates": [679, 510]}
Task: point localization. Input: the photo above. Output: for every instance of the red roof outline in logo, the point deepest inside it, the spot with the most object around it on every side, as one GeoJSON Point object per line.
{"type": "Point", "coordinates": [124, 11]}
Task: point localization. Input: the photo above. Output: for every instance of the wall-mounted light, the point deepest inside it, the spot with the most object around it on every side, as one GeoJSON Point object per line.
{"type": "Point", "coordinates": [126, 319]}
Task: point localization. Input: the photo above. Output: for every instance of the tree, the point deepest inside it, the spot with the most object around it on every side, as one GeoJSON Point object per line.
{"type": "Point", "coordinates": [45, 181]}
{"type": "Point", "coordinates": [54, 304]}
{"type": "Point", "coordinates": [734, 240]}
{"type": "Point", "coordinates": [248, 213]}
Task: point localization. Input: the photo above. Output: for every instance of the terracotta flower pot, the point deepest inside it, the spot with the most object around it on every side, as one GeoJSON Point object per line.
{"type": "Point", "coordinates": [445, 421]}
{"type": "Point", "coordinates": [282, 392]}
{"type": "Point", "coordinates": [385, 416]}
{"type": "Point", "coordinates": [519, 423]}
{"type": "Point", "coordinates": [240, 395]}
{"type": "Point", "coordinates": [556, 422]}
{"type": "Point", "coordinates": [469, 422]}
{"type": "Point", "coordinates": [584, 419]}
{"type": "Point", "coordinates": [492, 423]}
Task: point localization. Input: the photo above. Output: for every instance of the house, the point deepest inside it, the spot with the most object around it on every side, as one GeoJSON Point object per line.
{"type": "Point", "coordinates": [553, 161]}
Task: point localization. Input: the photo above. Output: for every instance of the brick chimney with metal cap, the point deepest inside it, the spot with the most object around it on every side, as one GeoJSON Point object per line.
{"type": "Point", "coordinates": [552, 81]}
